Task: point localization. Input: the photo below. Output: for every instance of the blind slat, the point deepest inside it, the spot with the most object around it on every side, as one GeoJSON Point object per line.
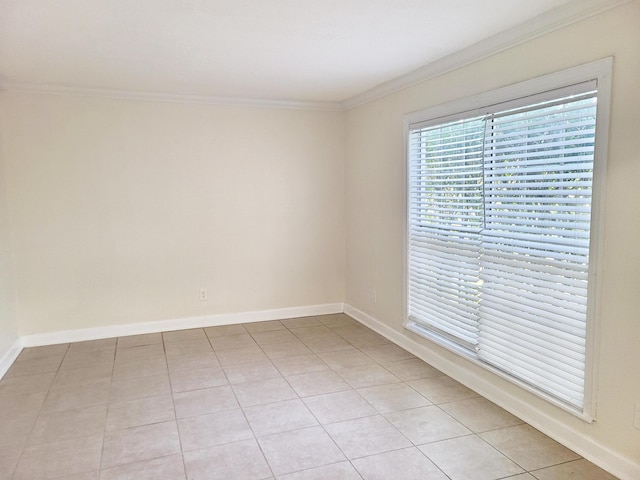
{"type": "Point", "coordinates": [499, 211]}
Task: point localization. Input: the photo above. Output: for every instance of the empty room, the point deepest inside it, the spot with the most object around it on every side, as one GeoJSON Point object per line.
{"type": "Point", "coordinates": [296, 240]}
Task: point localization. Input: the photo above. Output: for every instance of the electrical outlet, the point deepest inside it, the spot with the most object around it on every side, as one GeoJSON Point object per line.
{"type": "Point", "coordinates": [636, 416]}
{"type": "Point", "coordinates": [373, 296]}
{"type": "Point", "coordinates": [203, 295]}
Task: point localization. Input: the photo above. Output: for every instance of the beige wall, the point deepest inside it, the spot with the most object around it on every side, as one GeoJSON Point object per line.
{"type": "Point", "coordinates": [8, 327]}
{"type": "Point", "coordinates": [375, 199]}
{"type": "Point", "coordinates": [122, 210]}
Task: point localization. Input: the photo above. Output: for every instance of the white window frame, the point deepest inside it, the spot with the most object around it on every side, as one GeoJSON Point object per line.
{"type": "Point", "coordinates": [477, 105]}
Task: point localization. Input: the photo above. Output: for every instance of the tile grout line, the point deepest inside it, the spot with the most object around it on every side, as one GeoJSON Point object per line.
{"type": "Point", "coordinates": [35, 421]}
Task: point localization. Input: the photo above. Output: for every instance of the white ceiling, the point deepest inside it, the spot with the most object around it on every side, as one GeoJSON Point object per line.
{"type": "Point", "coordinates": [300, 50]}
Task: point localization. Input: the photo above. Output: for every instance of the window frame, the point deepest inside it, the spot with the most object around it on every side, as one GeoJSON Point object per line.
{"type": "Point", "coordinates": [481, 104]}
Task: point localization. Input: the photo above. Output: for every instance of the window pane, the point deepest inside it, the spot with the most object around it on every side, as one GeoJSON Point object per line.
{"type": "Point", "coordinates": [499, 213]}
{"type": "Point", "coordinates": [446, 217]}
{"type": "Point", "coordinates": [535, 249]}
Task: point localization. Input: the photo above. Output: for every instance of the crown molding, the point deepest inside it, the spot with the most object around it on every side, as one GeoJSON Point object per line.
{"type": "Point", "coordinates": [50, 89]}
{"type": "Point", "coordinates": [556, 19]}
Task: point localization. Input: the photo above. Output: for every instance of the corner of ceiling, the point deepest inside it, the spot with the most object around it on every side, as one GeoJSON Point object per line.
{"type": "Point", "coordinates": [556, 19]}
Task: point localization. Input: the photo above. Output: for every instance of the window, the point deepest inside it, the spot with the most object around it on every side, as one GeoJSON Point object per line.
{"type": "Point", "coordinates": [500, 230]}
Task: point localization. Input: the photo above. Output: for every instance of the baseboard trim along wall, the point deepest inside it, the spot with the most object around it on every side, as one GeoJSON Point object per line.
{"type": "Point", "coordinates": [66, 336]}
{"type": "Point", "coordinates": [605, 458]}
{"type": "Point", "coordinates": [9, 357]}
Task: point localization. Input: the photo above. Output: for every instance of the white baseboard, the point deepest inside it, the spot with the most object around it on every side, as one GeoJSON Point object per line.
{"type": "Point", "coordinates": [110, 331]}
{"type": "Point", "coordinates": [8, 358]}
{"type": "Point", "coordinates": [607, 459]}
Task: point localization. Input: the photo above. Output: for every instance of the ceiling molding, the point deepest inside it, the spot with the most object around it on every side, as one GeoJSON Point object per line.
{"type": "Point", "coordinates": [46, 89]}
{"type": "Point", "coordinates": [558, 18]}
{"type": "Point", "coordinates": [554, 20]}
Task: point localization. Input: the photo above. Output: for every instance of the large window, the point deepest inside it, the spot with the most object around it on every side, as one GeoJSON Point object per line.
{"type": "Point", "coordinates": [500, 233]}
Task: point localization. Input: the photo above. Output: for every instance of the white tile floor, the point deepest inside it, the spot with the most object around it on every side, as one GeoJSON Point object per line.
{"type": "Point", "coordinates": [300, 399]}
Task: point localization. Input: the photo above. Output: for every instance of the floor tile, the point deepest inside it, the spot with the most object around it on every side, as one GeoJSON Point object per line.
{"type": "Point", "coordinates": [31, 362]}
{"type": "Point", "coordinates": [345, 358]}
{"type": "Point", "coordinates": [393, 397]}
{"type": "Point", "coordinates": [27, 383]}
{"type": "Point", "coordinates": [293, 348]}
{"type": "Point", "coordinates": [203, 401]}
{"type": "Point", "coordinates": [164, 468]}
{"type": "Point", "coordinates": [469, 458]}
{"type": "Point", "coordinates": [61, 457]}
{"type": "Point", "coordinates": [337, 319]}
{"type": "Point", "coordinates": [238, 356]}
{"type": "Point", "coordinates": [140, 443]}
{"type": "Point", "coordinates": [528, 447]}
{"type": "Point", "coordinates": [317, 383]}
{"type": "Point", "coordinates": [183, 335]}
{"type": "Point", "coordinates": [335, 471]}
{"type": "Point", "coordinates": [308, 332]}
{"type": "Point", "coordinates": [231, 342]}
{"type": "Point", "coordinates": [140, 353]}
{"type": "Point", "coordinates": [327, 343]}
{"type": "Point", "coordinates": [143, 368]}
{"type": "Point", "coordinates": [214, 429]}
{"type": "Point", "coordinates": [299, 450]}
{"type": "Point", "coordinates": [84, 359]}
{"type": "Point", "coordinates": [46, 351]}
{"type": "Point", "coordinates": [240, 460]}
{"type": "Point", "coordinates": [81, 476]}
{"type": "Point", "coordinates": [224, 330]}
{"type": "Point", "coordinates": [141, 411]}
{"type": "Point", "coordinates": [82, 376]}
{"type": "Point", "coordinates": [35, 366]}
{"type": "Point", "coordinates": [93, 345]}
{"type": "Point", "coordinates": [138, 340]}
{"type": "Point", "coordinates": [412, 369]}
{"type": "Point", "coordinates": [67, 424]}
{"type": "Point", "coordinates": [264, 326]}
{"type": "Point", "coordinates": [193, 361]}
{"type": "Point", "coordinates": [194, 379]}
{"type": "Point", "coordinates": [16, 431]}
{"type": "Point", "coordinates": [174, 349]}
{"type": "Point", "coordinates": [480, 415]}
{"type": "Point", "coordinates": [251, 372]}
{"type": "Point", "coordinates": [133, 388]}
{"type": "Point", "coordinates": [407, 464]}
{"type": "Point", "coordinates": [442, 389]}
{"type": "Point", "coordinates": [20, 404]}
{"type": "Point", "coordinates": [300, 364]}
{"type": "Point", "coordinates": [279, 417]}
{"type": "Point", "coordinates": [77, 396]}
{"type": "Point", "coordinates": [387, 353]}
{"type": "Point", "coordinates": [300, 322]}
{"type": "Point", "coordinates": [427, 424]}
{"type": "Point", "coordinates": [366, 436]}
{"type": "Point", "coordinates": [9, 457]}
{"type": "Point", "coordinates": [575, 470]}
{"type": "Point", "coordinates": [273, 336]}
{"type": "Point", "coordinates": [264, 391]}
{"type": "Point", "coordinates": [367, 376]}
{"type": "Point", "coordinates": [340, 406]}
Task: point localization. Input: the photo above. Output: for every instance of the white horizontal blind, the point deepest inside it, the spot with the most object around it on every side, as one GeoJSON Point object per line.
{"type": "Point", "coordinates": [498, 237]}
{"type": "Point", "coordinates": [445, 211]}
{"type": "Point", "coordinates": [535, 244]}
